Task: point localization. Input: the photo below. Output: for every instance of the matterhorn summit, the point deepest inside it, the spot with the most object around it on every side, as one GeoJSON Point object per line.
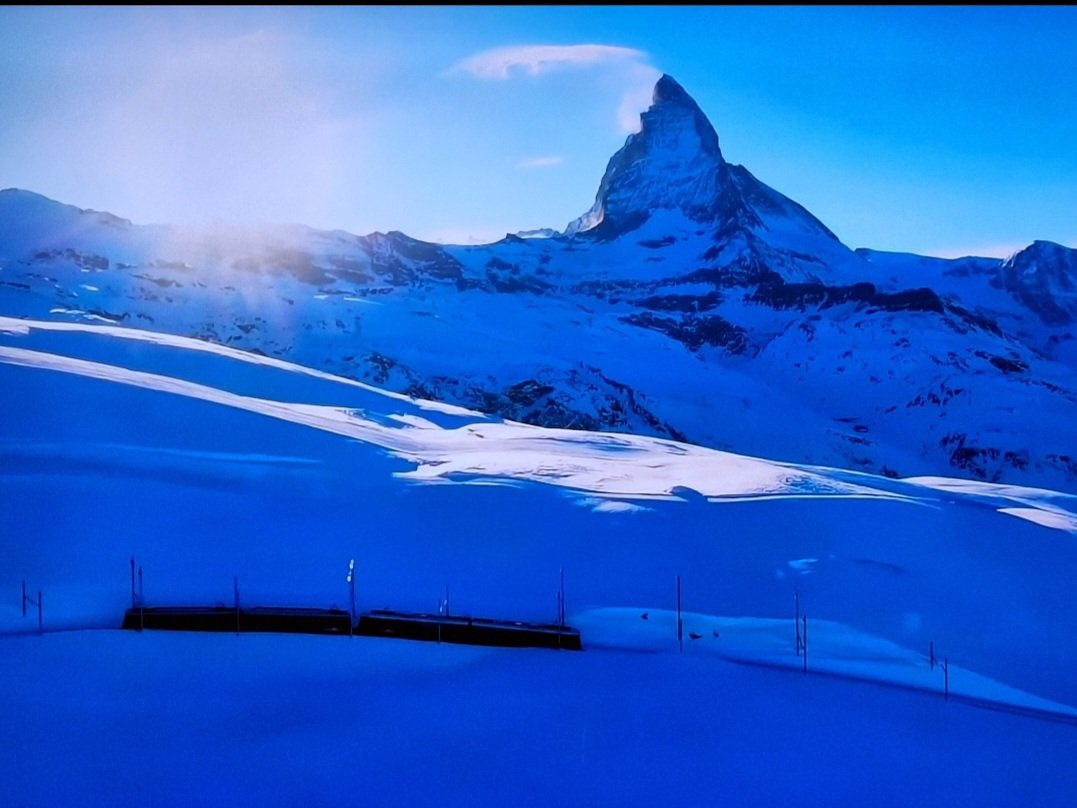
{"type": "Point", "coordinates": [674, 165]}
{"type": "Point", "coordinates": [673, 162]}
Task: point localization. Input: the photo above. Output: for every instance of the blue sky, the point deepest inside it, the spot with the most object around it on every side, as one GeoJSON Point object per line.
{"type": "Point", "coordinates": [940, 130]}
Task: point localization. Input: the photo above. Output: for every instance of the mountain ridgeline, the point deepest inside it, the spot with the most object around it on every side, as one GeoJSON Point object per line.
{"type": "Point", "coordinates": [692, 301]}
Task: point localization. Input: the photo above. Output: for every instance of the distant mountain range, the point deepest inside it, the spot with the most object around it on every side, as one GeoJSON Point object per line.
{"type": "Point", "coordinates": [691, 301]}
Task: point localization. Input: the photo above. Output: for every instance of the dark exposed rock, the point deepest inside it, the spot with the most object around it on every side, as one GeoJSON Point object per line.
{"type": "Point", "coordinates": [381, 366]}
{"type": "Point", "coordinates": [779, 294]}
{"type": "Point", "coordinates": [1008, 365]}
{"type": "Point", "coordinates": [512, 283]}
{"type": "Point", "coordinates": [527, 392]}
{"type": "Point", "coordinates": [695, 332]}
{"type": "Point", "coordinates": [682, 303]}
{"type": "Point", "coordinates": [657, 243]}
{"type": "Point", "coordinates": [299, 264]}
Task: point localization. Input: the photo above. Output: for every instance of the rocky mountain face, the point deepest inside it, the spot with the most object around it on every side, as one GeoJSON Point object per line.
{"type": "Point", "coordinates": [1043, 277]}
{"type": "Point", "coordinates": [691, 301]}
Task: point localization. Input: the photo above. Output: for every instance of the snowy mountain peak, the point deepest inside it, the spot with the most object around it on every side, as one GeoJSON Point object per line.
{"type": "Point", "coordinates": [667, 90]}
{"type": "Point", "coordinates": [672, 163]}
{"type": "Point", "coordinates": [1043, 276]}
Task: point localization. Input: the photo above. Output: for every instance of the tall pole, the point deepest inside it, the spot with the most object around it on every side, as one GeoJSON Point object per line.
{"type": "Point", "coordinates": [40, 624]}
{"type": "Point", "coordinates": [351, 584]}
{"type": "Point", "coordinates": [141, 602]}
{"type": "Point", "coordinates": [680, 623]}
{"type": "Point", "coordinates": [24, 597]}
{"type": "Point", "coordinates": [796, 620]}
{"type": "Point", "coordinates": [946, 678]}
{"type": "Point", "coordinates": [132, 582]}
{"type": "Point", "coordinates": [235, 589]}
{"type": "Point", "coordinates": [805, 642]}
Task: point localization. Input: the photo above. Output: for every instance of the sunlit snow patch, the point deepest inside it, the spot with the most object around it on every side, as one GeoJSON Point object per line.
{"type": "Point", "coordinates": [1056, 519]}
{"type": "Point", "coordinates": [610, 505]}
{"type": "Point", "coordinates": [638, 467]}
{"type": "Point", "coordinates": [481, 450]}
{"type": "Point", "coordinates": [1052, 509]}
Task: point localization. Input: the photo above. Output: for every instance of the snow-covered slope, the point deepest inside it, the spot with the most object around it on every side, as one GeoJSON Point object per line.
{"type": "Point", "coordinates": [206, 462]}
{"type": "Point", "coordinates": [691, 302]}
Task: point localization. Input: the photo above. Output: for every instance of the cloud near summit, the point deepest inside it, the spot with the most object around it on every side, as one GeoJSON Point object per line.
{"type": "Point", "coordinates": [534, 60]}
{"type": "Point", "coordinates": [639, 75]}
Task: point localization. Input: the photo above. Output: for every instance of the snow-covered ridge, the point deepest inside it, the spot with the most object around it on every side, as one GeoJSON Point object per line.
{"type": "Point", "coordinates": [474, 449]}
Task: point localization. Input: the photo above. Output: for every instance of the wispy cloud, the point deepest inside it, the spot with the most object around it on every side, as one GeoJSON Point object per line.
{"type": "Point", "coordinates": [534, 60]}
{"type": "Point", "coordinates": [540, 162]}
{"type": "Point", "coordinates": [641, 80]}
{"type": "Point", "coordinates": [637, 75]}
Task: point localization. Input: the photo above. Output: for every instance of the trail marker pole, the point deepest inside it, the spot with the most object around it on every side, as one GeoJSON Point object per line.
{"type": "Point", "coordinates": [133, 604]}
{"type": "Point", "coordinates": [931, 652]}
{"type": "Point", "coordinates": [805, 642]}
{"type": "Point", "coordinates": [946, 678]}
{"type": "Point", "coordinates": [796, 619]}
{"type": "Point", "coordinates": [40, 623]}
{"type": "Point", "coordinates": [441, 613]}
{"type": "Point", "coordinates": [680, 622]}
{"type": "Point", "coordinates": [24, 597]}
{"type": "Point", "coordinates": [141, 602]}
{"type": "Point", "coordinates": [351, 584]}
{"type": "Point", "coordinates": [235, 589]}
